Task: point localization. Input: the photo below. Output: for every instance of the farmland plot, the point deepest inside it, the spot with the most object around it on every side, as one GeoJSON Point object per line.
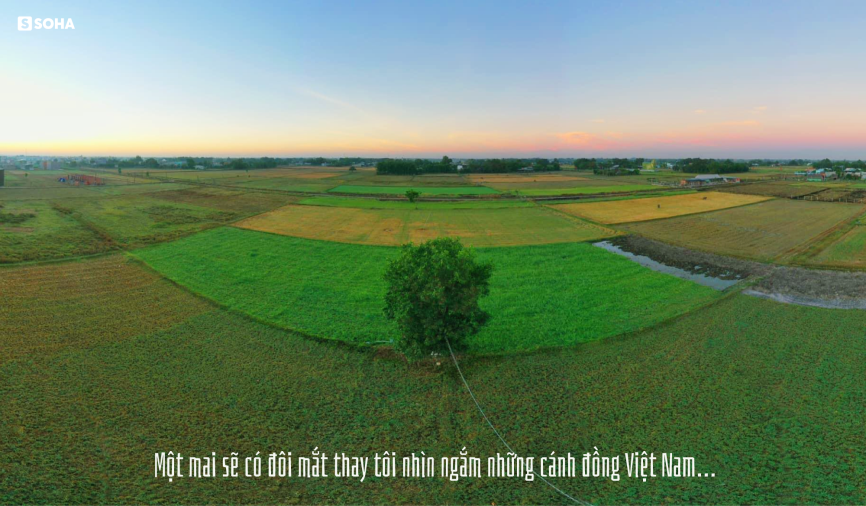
{"type": "Point", "coordinates": [624, 211]}
{"type": "Point", "coordinates": [237, 202]}
{"type": "Point", "coordinates": [743, 378]}
{"type": "Point", "coordinates": [392, 227]}
{"type": "Point", "coordinates": [335, 291]}
{"type": "Point", "coordinates": [140, 219]}
{"type": "Point", "coordinates": [424, 190]}
{"type": "Point", "coordinates": [54, 306]}
{"type": "Point", "coordinates": [763, 231]}
{"type": "Point", "coordinates": [778, 189]}
{"type": "Point", "coordinates": [34, 230]}
{"type": "Point", "coordinates": [523, 178]}
{"type": "Point", "coordinates": [847, 251]}
{"type": "Point", "coordinates": [368, 203]}
{"type": "Point", "coordinates": [579, 190]}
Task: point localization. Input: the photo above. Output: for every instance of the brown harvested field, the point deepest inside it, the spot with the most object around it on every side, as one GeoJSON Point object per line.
{"type": "Point", "coordinates": [53, 306]}
{"type": "Point", "coordinates": [392, 227]}
{"type": "Point", "coordinates": [763, 231]}
{"type": "Point", "coordinates": [841, 194]}
{"type": "Point", "coordinates": [779, 189]}
{"type": "Point", "coordinates": [626, 211]}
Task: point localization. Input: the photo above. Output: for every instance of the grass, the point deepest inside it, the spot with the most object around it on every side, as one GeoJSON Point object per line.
{"type": "Point", "coordinates": [848, 251]}
{"type": "Point", "coordinates": [237, 202]}
{"type": "Point", "coordinates": [26, 193]}
{"type": "Point", "coordinates": [523, 178]}
{"type": "Point", "coordinates": [44, 233]}
{"type": "Point", "coordinates": [424, 190]}
{"type": "Point", "coordinates": [392, 227]}
{"type": "Point", "coordinates": [744, 386]}
{"type": "Point", "coordinates": [291, 185]}
{"type": "Point", "coordinates": [624, 211]}
{"type": "Point", "coordinates": [138, 220]}
{"type": "Point", "coordinates": [335, 291]}
{"type": "Point", "coordinates": [762, 231]}
{"type": "Point", "coordinates": [49, 307]}
{"type": "Point", "coordinates": [370, 203]}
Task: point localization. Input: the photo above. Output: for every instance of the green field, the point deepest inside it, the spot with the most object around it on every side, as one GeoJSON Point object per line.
{"type": "Point", "coordinates": [36, 230]}
{"type": "Point", "coordinates": [55, 306]}
{"type": "Point", "coordinates": [756, 400]}
{"type": "Point", "coordinates": [317, 287]}
{"type": "Point", "coordinates": [138, 220]}
{"type": "Point", "coordinates": [424, 190]}
{"type": "Point", "coordinates": [848, 251]}
{"type": "Point", "coordinates": [763, 231]}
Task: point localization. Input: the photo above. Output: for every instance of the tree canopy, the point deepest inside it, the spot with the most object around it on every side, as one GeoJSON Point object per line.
{"type": "Point", "coordinates": [433, 291]}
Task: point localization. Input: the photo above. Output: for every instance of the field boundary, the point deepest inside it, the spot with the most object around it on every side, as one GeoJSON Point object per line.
{"type": "Point", "coordinates": [801, 254]}
{"type": "Point", "coordinates": [218, 305]}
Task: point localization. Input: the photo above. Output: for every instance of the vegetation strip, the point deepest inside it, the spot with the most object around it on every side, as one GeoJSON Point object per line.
{"type": "Point", "coordinates": [317, 286]}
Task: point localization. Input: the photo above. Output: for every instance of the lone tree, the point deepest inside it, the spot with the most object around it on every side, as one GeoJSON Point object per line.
{"type": "Point", "coordinates": [433, 294]}
{"type": "Point", "coordinates": [412, 195]}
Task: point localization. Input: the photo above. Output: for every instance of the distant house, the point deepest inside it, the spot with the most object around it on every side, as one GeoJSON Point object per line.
{"type": "Point", "coordinates": [708, 179]}
{"type": "Point", "coordinates": [820, 175]}
{"type": "Point", "coordinates": [459, 167]}
{"type": "Point", "coordinates": [526, 169]}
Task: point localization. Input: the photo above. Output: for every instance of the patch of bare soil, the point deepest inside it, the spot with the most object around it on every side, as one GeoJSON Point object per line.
{"type": "Point", "coordinates": [790, 285]}
{"type": "Point", "coordinates": [696, 262]}
{"type": "Point", "coordinates": [834, 289]}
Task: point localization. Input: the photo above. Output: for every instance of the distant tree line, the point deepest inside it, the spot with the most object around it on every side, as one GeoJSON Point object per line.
{"type": "Point", "coordinates": [710, 166]}
{"type": "Point", "coordinates": [477, 166]}
{"type": "Point", "coordinates": [610, 166]}
{"type": "Point", "coordinates": [839, 164]}
{"type": "Point", "coordinates": [138, 161]}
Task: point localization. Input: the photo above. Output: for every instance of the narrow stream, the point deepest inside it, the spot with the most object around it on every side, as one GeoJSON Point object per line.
{"type": "Point", "coordinates": [697, 276]}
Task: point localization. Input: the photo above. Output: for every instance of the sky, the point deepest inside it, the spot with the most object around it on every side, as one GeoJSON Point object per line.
{"type": "Point", "coordinates": [775, 79]}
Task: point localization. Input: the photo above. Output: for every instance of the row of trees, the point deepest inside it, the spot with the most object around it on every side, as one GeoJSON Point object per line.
{"type": "Point", "coordinates": [710, 166]}
{"type": "Point", "coordinates": [839, 164]}
{"type": "Point", "coordinates": [446, 165]}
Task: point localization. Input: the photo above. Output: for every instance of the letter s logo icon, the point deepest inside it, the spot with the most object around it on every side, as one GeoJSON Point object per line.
{"type": "Point", "coordinates": [25, 23]}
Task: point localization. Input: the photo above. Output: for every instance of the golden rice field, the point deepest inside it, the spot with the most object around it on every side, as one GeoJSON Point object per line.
{"type": "Point", "coordinates": [625, 211]}
{"type": "Point", "coordinates": [392, 227]}
{"type": "Point", "coordinates": [764, 231]}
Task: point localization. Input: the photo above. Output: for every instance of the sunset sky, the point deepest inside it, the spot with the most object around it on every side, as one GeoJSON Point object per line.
{"type": "Point", "coordinates": [412, 78]}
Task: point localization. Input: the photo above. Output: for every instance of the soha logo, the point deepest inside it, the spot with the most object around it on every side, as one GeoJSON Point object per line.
{"type": "Point", "coordinates": [26, 23]}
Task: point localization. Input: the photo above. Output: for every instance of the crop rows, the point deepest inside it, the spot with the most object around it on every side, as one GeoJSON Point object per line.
{"type": "Point", "coordinates": [53, 306]}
